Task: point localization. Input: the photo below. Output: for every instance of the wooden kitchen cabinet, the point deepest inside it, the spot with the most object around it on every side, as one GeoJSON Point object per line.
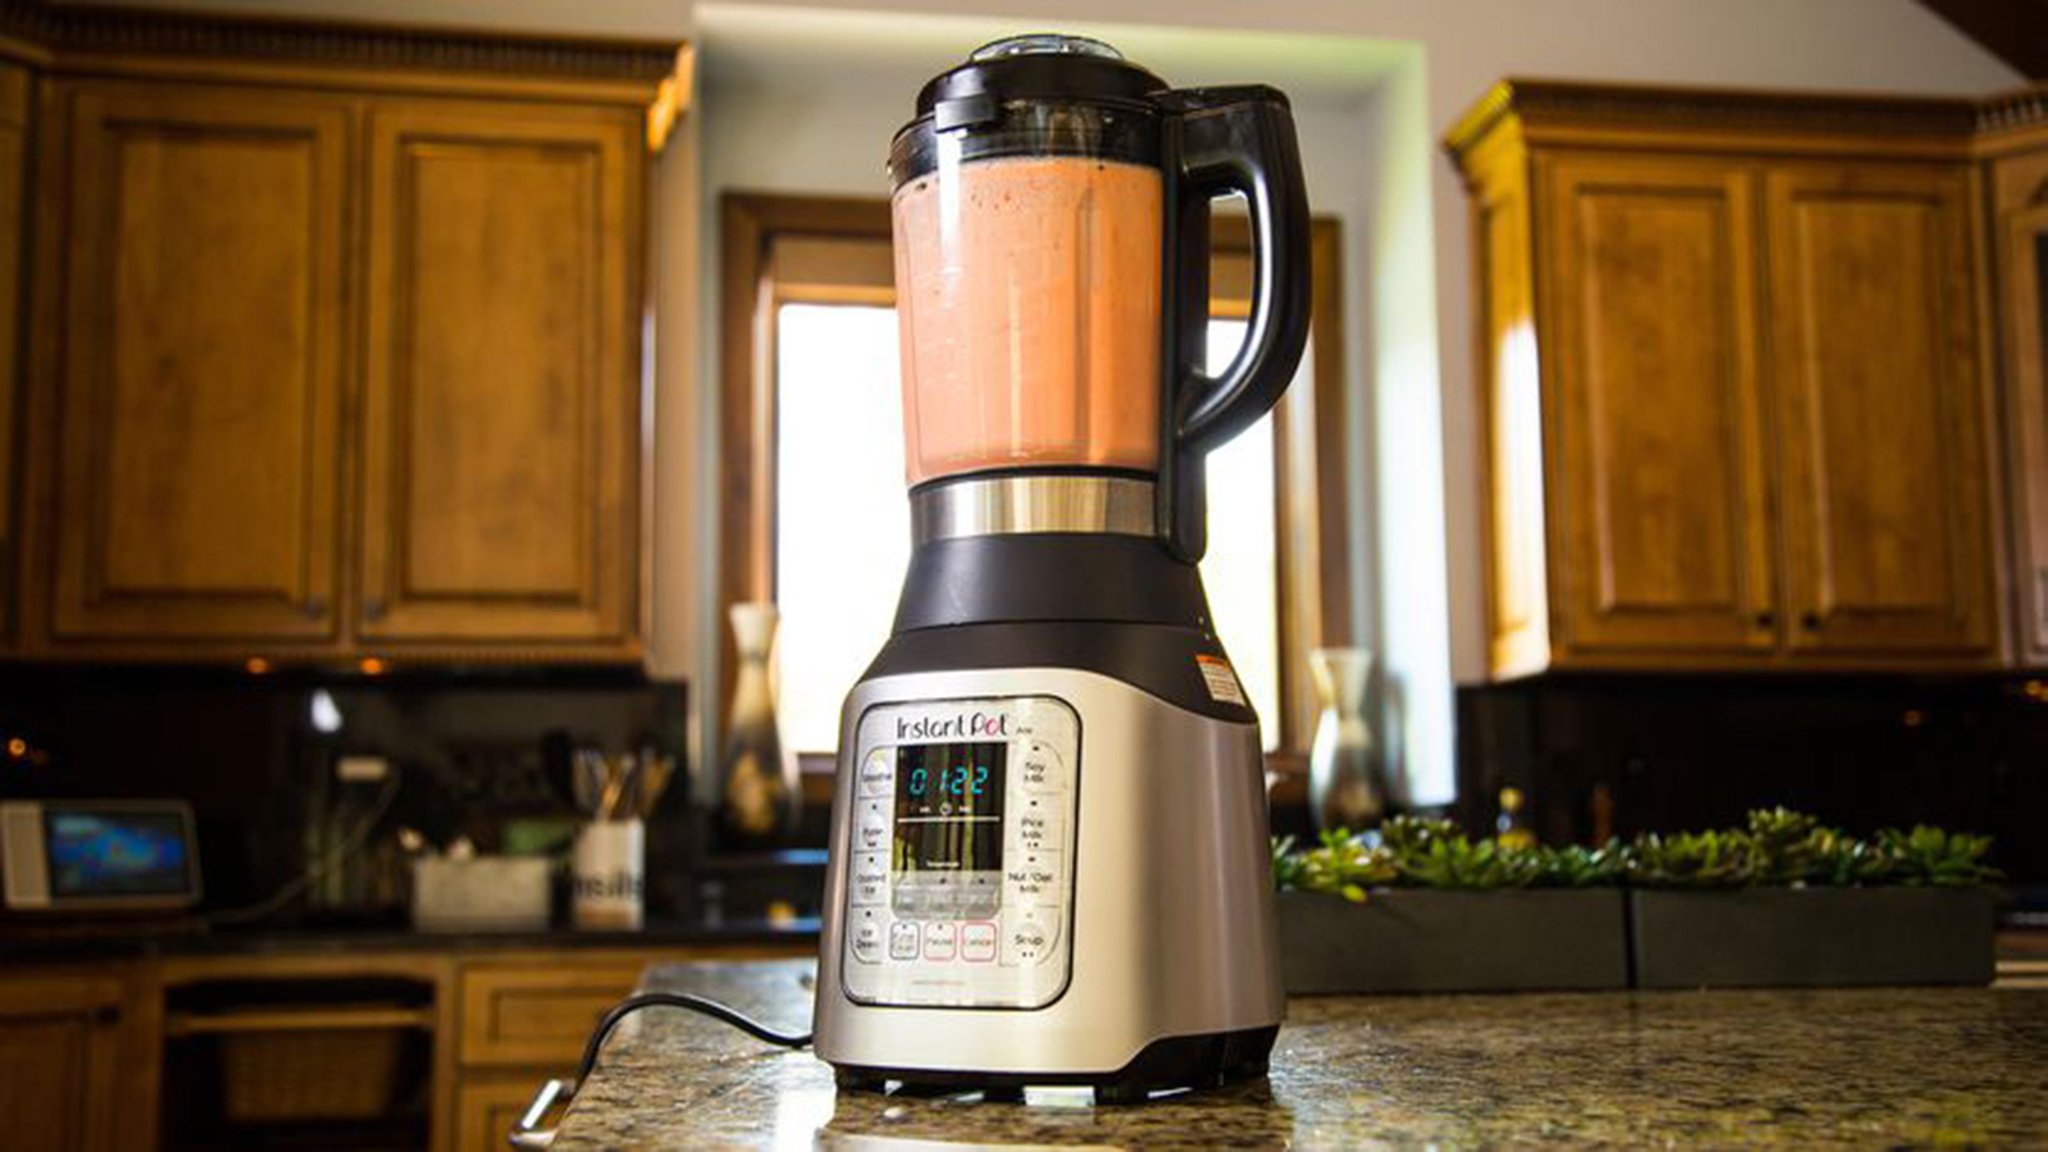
{"type": "Point", "coordinates": [14, 126]}
{"type": "Point", "coordinates": [1729, 369]}
{"type": "Point", "coordinates": [502, 386]}
{"type": "Point", "coordinates": [337, 344]}
{"type": "Point", "coordinates": [200, 473]}
{"type": "Point", "coordinates": [1663, 508]}
{"type": "Point", "coordinates": [62, 1062]}
{"type": "Point", "coordinates": [1883, 476]}
{"type": "Point", "coordinates": [487, 1108]}
{"type": "Point", "coordinates": [2018, 231]}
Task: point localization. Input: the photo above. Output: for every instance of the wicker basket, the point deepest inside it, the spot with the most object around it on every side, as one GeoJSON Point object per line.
{"type": "Point", "coordinates": [342, 1074]}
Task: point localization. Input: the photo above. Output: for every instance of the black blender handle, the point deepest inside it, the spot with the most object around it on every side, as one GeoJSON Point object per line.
{"type": "Point", "coordinates": [1237, 139]}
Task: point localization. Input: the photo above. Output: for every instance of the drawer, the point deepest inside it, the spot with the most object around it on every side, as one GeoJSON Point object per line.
{"type": "Point", "coordinates": [527, 1016]}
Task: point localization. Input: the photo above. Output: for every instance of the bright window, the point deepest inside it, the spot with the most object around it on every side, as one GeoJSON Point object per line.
{"type": "Point", "coordinates": [842, 535]}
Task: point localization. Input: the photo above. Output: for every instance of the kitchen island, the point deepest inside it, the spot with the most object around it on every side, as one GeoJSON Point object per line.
{"type": "Point", "coordinates": [1861, 1066]}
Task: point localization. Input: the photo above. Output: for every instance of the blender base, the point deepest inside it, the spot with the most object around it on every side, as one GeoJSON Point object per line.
{"type": "Point", "coordinates": [1174, 1062]}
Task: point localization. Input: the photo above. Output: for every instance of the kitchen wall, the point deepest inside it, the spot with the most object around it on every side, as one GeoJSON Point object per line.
{"type": "Point", "coordinates": [1392, 75]}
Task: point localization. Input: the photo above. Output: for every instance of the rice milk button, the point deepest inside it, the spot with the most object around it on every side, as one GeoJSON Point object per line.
{"type": "Point", "coordinates": [1036, 826]}
{"type": "Point", "coordinates": [877, 773]}
{"type": "Point", "coordinates": [941, 940]}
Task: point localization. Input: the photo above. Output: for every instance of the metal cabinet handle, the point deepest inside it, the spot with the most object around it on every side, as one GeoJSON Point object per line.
{"type": "Point", "coordinates": [1767, 619]}
{"type": "Point", "coordinates": [373, 609]}
{"type": "Point", "coordinates": [1810, 621]}
{"type": "Point", "coordinates": [527, 1135]}
{"type": "Point", "coordinates": [314, 608]}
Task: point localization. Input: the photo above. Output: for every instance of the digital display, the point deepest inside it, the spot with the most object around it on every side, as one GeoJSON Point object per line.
{"type": "Point", "coordinates": [116, 853]}
{"type": "Point", "coordinates": [949, 807]}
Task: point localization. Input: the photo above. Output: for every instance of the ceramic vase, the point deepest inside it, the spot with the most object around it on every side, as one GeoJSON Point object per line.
{"type": "Point", "coordinates": [1347, 782]}
{"type": "Point", "coordinates": [762, 796]}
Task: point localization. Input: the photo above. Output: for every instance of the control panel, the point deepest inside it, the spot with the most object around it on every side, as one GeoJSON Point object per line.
{"type": "Point", "coordinates": [960, 886]}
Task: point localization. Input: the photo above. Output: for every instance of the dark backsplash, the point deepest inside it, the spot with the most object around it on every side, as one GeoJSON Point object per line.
{"type": "Point", "coordinates": [1595, 755]}
{"type": "Point", "coordinates": [1660, 753]}
{"type": "Point", "coordinates": [246, 753]}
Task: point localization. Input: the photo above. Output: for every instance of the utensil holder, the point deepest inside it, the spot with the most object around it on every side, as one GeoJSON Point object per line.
{"type": "Point", "coordinates": [609, 875]}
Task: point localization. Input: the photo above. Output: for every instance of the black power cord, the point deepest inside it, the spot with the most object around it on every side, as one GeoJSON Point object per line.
{"type": "Point", "coordinates": [711, 1008]}
{"type": "Point", "coordinates": [528, 1136]}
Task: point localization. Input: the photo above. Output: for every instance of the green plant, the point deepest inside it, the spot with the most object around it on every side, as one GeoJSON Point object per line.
{"type": "Point", "coordinates": [1576, 866]}
{"type": "Point", "coordinates": [1341, 865]}
{"type": "Point", "coordinates": [1775, 847]}
{"type": "Point", "coordinates": [1782, 847]}
{"type": "Point", "coordinates": [1689, 860]}
{"type": "Point", "coordinates": [1934, 858]}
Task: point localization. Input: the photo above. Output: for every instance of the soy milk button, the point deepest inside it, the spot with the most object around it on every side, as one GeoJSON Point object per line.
{"type": "Point", "coordinates": [1041, 769]}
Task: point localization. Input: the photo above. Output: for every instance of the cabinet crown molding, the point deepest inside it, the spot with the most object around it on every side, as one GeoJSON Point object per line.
{"type": "Point", "coordinates": [39, 32]}
{"type": "Point", "coordinates": [1541, 103]}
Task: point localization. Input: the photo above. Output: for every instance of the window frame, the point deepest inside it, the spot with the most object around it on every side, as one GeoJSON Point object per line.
{"type": "Point", "coordinates": [784, 249]}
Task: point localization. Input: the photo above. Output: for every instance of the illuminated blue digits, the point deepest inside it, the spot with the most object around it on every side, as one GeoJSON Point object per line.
{"type": "Point", "coordinates": [918, 777]}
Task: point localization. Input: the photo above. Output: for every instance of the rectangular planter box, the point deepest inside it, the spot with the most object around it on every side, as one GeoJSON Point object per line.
{"type": "Point", "coordinates": [1412, 940]}
{"type": "Point", "coordinates": [1810, 937]}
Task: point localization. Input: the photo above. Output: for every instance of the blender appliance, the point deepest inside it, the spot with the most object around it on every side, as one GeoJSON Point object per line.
{"type": "Point", "coordinates": [1049, 856]}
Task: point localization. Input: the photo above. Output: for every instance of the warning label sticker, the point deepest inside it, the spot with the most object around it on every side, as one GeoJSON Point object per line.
{"type": "Point", "coordinates": [1221, 680]}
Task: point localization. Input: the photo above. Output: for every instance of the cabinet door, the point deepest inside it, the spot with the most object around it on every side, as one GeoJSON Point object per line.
{"type": "Point", "coordinates": [13, 170]}
{"type": "Point", "coordinates": [503, 380]}
{"type": "Point", "coordinates": [2021, 236]}
{"type": "Point", "coordinates": [198, 493]}
{"type": "Point", "coordinates": [1664, 527]}
{"type": "Point", "coordinates": [59, 1063]}
{"type": "Point", "coordinates": [1875, 374]}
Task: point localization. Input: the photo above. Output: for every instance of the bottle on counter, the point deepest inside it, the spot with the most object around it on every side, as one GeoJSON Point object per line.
{"type": "Point", "coordinates": [1511, 827]}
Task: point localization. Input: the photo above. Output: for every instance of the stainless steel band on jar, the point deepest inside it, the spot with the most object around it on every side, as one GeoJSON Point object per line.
{"type": "Point", "coordinates": [1039, 502]}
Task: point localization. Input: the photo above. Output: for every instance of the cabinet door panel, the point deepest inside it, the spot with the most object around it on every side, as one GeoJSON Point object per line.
{"type": "Point", "coordinates": [13, 169]}
{"type": "Point", "coordinates": [59, 1048]}
{"type": "Point", "coordinates": [1874, 367]}
{"type": "Point", "coordinates": [199, 492]}
{"type": "Point", "coordinates": [2022, 238]}
{"type": "Point", "coordinates": [1665, 526]}
{"type": "Point", "coordinates": [503, 383]}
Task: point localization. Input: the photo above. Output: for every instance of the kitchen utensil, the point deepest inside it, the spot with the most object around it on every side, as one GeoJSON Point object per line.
{"type": "Point", "coordinates": [589, 777]}
{"type": "Point", "coordinates": [655, 772]}
{"type": "Point", "coordinates": [1049, 856]}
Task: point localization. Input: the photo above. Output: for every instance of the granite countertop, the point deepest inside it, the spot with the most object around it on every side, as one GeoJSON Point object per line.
{"type": "Point", "coordinates": [1849, 1066]}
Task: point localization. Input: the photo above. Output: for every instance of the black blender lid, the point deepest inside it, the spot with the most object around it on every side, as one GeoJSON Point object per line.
{"type": "Point", "coordinates": [1039, 66]}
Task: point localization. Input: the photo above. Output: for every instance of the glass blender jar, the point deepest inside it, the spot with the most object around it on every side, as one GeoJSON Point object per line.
{"type": "Point", "coordinates": [1051, 207]}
